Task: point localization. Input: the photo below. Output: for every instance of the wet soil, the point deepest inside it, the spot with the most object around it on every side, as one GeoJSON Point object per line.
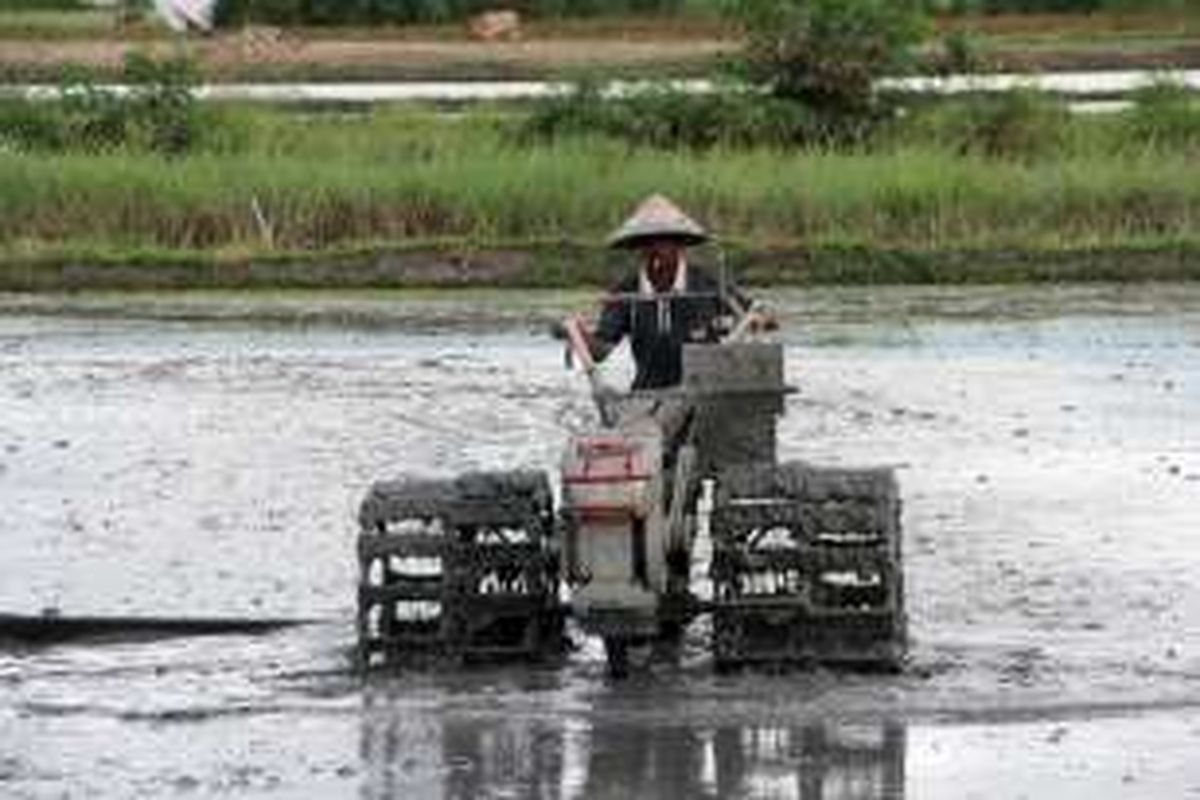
{"type": "Point", "coordinates": [208, 464]}
{"type": "Point", "coordinates": [51, 628]}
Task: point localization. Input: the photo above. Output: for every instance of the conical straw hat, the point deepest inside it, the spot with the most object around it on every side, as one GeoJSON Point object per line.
{"type": "Point", "coordinates": [657, 218]}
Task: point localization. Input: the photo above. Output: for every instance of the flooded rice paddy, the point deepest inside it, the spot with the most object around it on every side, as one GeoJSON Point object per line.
{"type": "Point", "coordinates": [203, 455]}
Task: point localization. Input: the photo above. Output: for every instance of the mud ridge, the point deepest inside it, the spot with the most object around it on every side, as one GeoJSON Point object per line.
{"type": "Point", "coordinates": [50, 629]}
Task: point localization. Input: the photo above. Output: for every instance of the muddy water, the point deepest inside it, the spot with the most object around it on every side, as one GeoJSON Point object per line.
{"type": "Point", "coordinates": [203, 455]}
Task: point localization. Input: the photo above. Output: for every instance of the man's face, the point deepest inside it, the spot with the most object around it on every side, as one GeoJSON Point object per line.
{"type": "Point", "coordinates": [662, 264]}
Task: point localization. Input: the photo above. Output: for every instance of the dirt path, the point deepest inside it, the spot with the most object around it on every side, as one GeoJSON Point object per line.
{"type": "Point", "coordinates": [267, 53]}
{"type": "Point", "coordinates": [249, 53]}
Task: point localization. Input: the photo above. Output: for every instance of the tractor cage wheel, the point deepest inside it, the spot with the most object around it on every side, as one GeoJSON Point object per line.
{"type": "Point", "coordinates": [462, 569]}
{"type": "Point", "coordinates": [807, 568]}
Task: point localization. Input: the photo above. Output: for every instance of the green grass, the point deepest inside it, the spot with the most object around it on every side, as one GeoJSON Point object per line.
{"type": "Point", "coordinates": [56, 24]}
{"type": "Point", "coordinates": [338, 188]}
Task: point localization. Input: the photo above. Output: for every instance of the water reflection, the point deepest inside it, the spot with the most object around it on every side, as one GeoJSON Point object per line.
{"type": "Point", "coordinates": [430, 752]}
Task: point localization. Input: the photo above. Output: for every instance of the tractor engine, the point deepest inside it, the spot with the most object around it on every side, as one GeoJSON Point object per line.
{"type": "Point", "coordinates": [612, 498]}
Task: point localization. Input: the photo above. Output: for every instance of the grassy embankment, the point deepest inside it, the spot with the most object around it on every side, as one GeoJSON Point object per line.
{"type": "Point", "coordinates": [407, 198]}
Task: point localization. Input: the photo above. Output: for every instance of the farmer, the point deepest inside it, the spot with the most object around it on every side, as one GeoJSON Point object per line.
{"type": "Point", "coordinates": [667, 302]}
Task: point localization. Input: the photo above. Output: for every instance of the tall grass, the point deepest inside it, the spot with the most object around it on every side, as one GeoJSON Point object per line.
{"type": "Point", "coordinates": [403, 177]}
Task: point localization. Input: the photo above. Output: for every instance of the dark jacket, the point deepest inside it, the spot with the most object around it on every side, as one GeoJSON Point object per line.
{"type": "Point", "coordinates": [659, 325]}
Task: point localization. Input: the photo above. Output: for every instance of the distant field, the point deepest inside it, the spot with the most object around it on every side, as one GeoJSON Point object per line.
{"type": "Point", "coordinates": [36, 44]}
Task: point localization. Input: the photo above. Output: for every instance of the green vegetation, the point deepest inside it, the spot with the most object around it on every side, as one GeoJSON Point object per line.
{"type": "Point", "coordinates": [159, 113]}
{"type": "Point", "coordinates": [827, 54]}
{"type": "Point", "coordinates": [666, 117]}
{"type": "Point", "coordinates": [263, 184]}
{"type": "Point", "coordinates": [809, 68]}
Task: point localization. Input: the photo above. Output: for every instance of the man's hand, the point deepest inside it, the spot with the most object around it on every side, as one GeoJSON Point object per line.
{"type": "Point", "coordinates": [756, 320]}
{"type": "Point", "coordinates": [578, 341]}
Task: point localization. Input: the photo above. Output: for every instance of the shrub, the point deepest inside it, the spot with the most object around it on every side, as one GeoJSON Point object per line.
{"type": "Point", "coordinates": [1164, 115]}
{"type": "Point", "coordinates": [958, 53]}
{"type": "Point", "coordinates": [1019, 124]}
{"type": "Point", "coordinates": [668, 117]}
{"type": "Point", "coordinates": [827, 54]}
{"type": "Point", "coordinates": [158, 113]}
{"type": "Point", "coordinates": [26, 126]}
{"type": "Point", "coordinates": [161, 108]}
{"type": "Point", "coordinates": [812, 65]}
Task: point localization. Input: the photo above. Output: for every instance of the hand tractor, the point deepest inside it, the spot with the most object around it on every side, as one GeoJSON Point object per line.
{"type": "Point", "coordinates": [805, 562]}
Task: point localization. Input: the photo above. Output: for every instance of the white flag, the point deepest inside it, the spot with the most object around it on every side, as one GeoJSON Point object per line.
{"type": "Point", "coordinates": [184, 14]}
